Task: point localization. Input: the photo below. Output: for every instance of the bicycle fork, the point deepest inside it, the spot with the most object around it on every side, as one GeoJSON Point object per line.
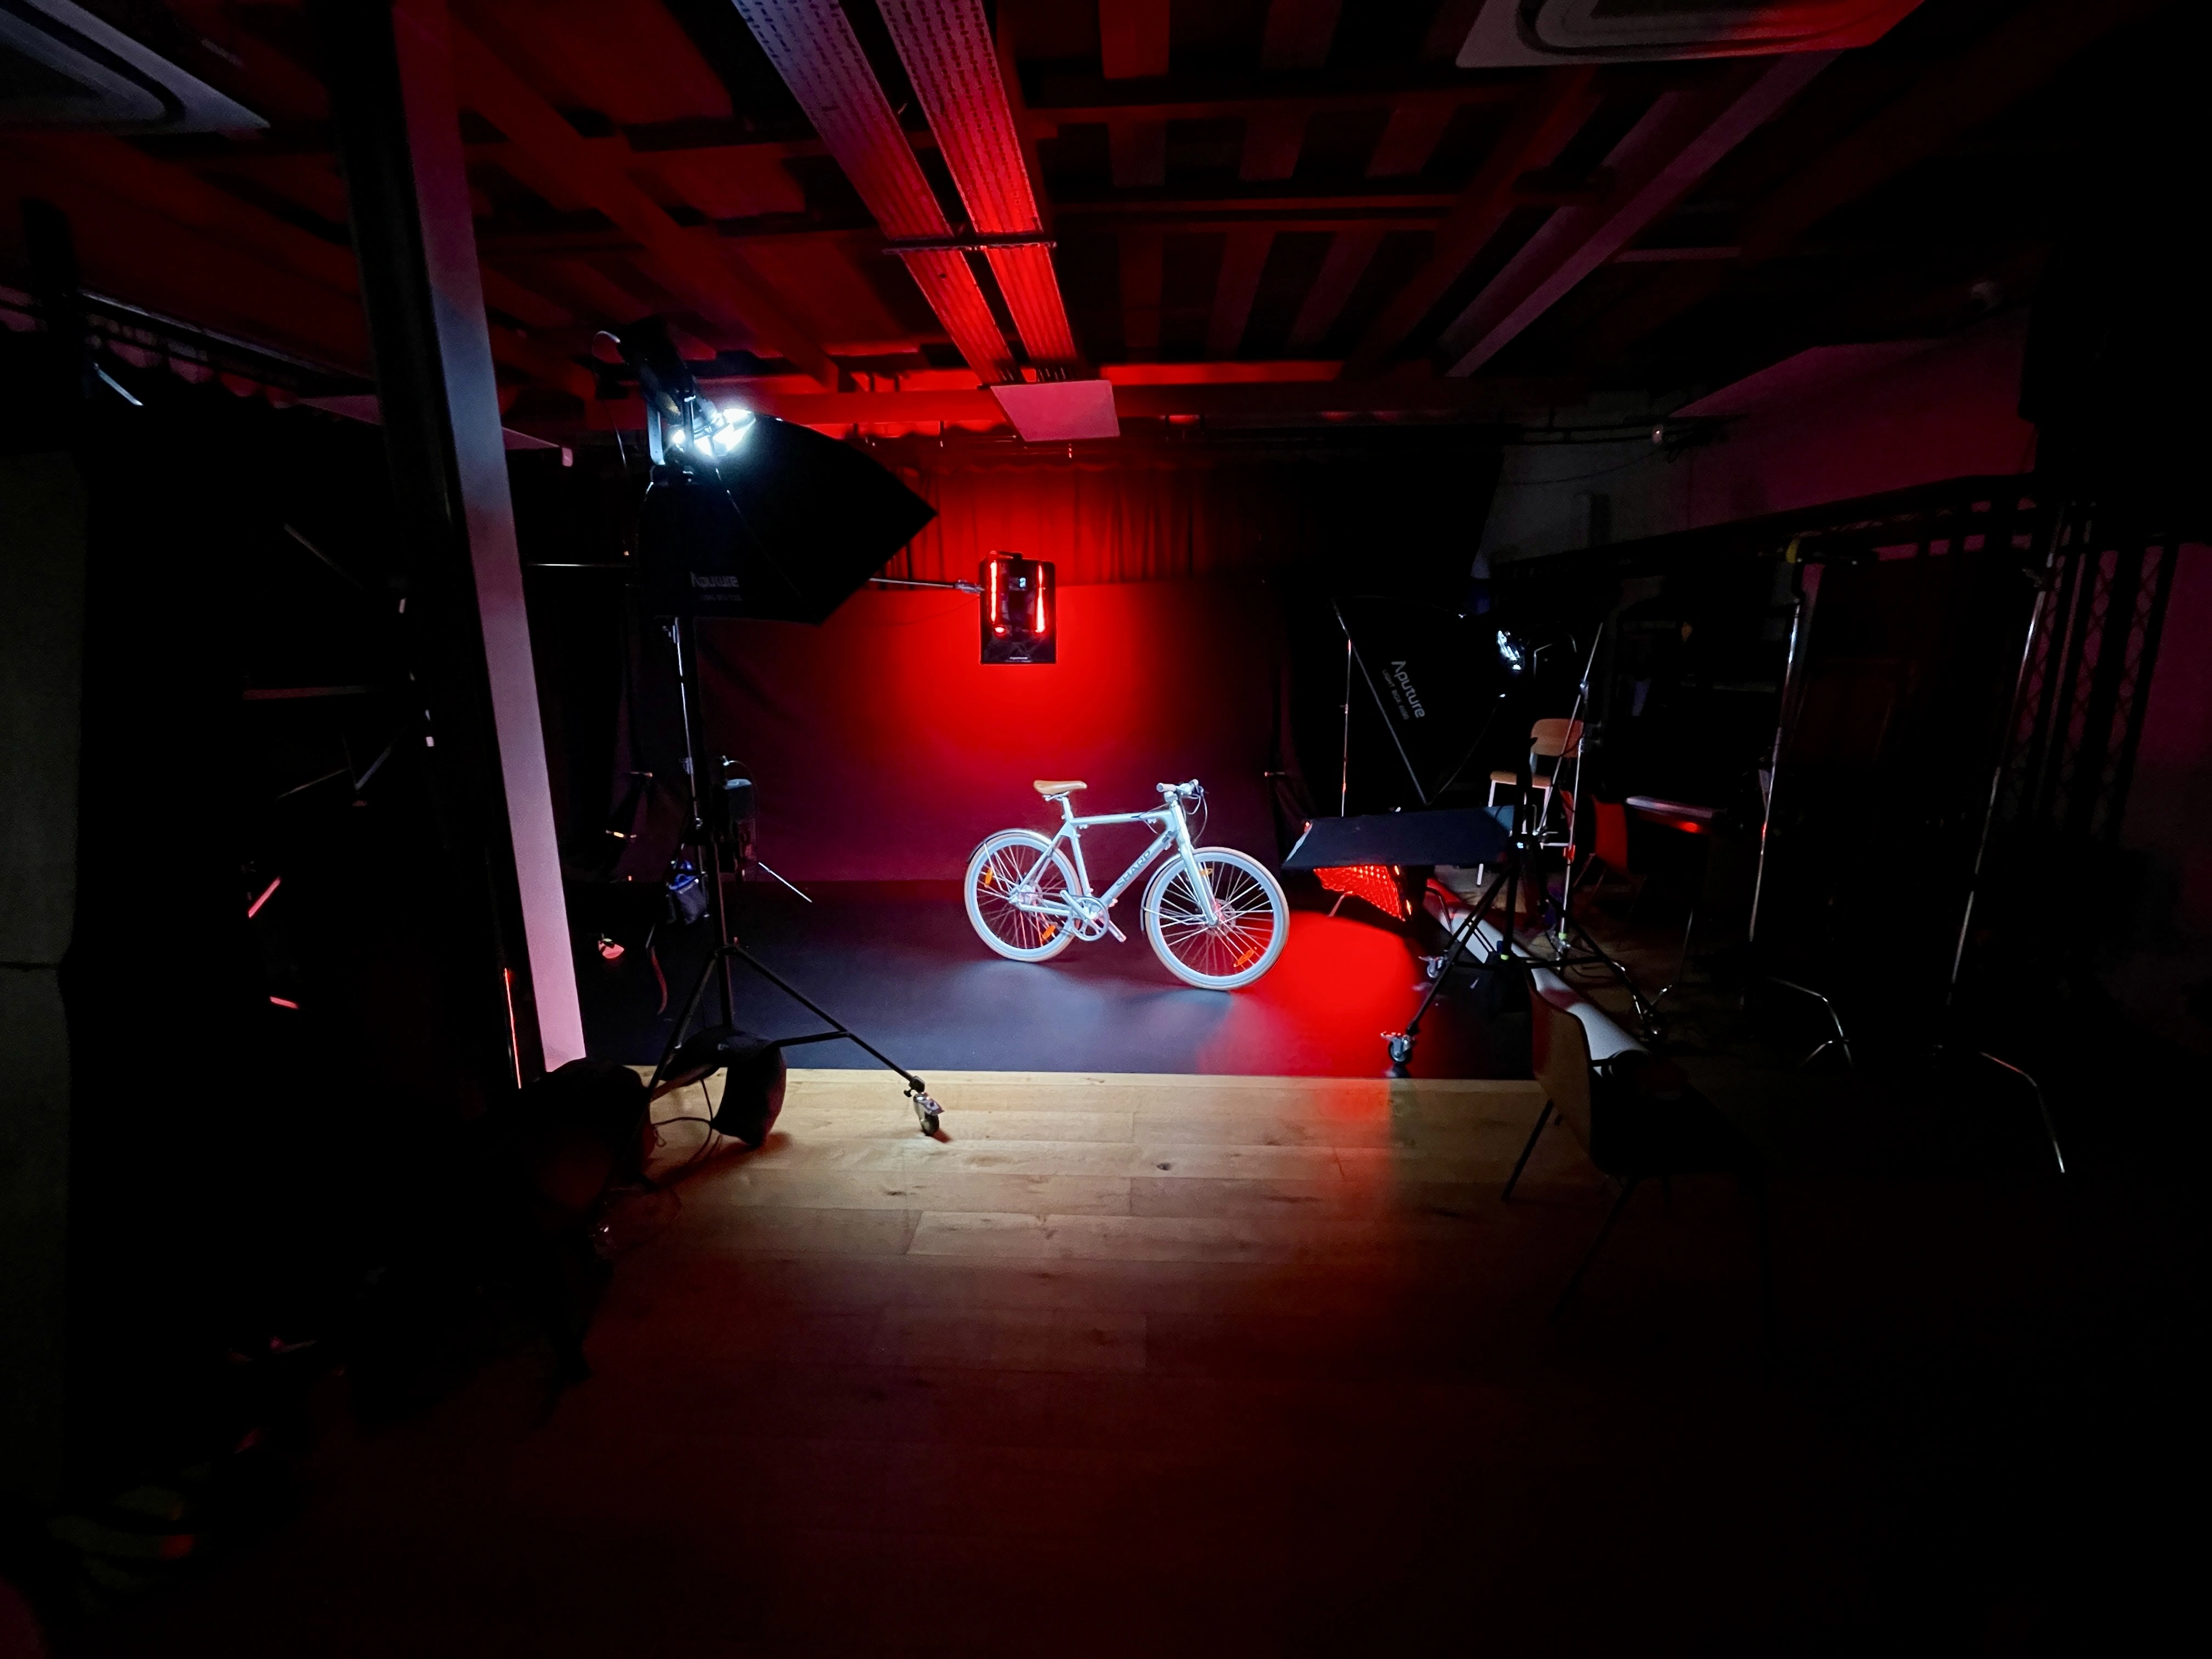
{"type": "Point", "coordinates": [1201, 890]}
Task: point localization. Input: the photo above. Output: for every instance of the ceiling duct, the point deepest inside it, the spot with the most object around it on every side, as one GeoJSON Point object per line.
{"type": "Point", "coordinates": [60, 66]}
{"type": "Point", "coordinates": [1512, 34]}
{"type": "Point", "coordinates": [946, 47]}
{"type": "Point", "coordinates": [814, 49]}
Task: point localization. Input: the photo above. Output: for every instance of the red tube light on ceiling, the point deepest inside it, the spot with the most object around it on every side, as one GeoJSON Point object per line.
{"type": "Point", "coordinates": [1019, 616]}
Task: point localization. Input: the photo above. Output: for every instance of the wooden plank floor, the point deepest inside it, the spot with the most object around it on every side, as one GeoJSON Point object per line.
{"type": "Point", "coordinates": [1173, 1364]}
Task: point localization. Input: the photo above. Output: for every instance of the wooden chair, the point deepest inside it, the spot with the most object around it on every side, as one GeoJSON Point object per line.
{"type": "Point", "coordinates": [1636, 1115]}
{"type": "Point", "coordinates": [1549, 741]}
{"type": "Point", "coordinates": [1555, 741]}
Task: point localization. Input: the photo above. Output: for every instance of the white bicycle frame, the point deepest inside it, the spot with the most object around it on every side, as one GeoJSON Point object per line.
{"type": "Point", "coordinates": [1174, 831]}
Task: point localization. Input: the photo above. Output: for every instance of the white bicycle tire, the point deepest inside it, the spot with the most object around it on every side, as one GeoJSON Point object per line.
{"type": "Point", "coordinates": [1263, 877]}
{"type": "Point", "coordinates": [970, 889]}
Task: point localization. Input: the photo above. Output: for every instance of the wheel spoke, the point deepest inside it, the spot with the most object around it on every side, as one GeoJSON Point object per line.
{"type": "Point", "coordinates": [1020, 896]}
{"type": "Point", "coordinates": [1221, 933]}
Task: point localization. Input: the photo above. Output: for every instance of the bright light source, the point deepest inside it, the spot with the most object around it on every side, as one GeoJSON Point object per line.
{"type": "Point", "coordinates": [1018, 620]}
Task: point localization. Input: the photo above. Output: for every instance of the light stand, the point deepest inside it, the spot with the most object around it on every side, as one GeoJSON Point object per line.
{"type": "Point", "coordinates": [687, 436]}
{"type": "Point", "coordinates": [1351, 656]}
{"type": "Point", "coordinates": [758, 1063]}
{"type": "Point", "coordinates": [1569, 935]}
{"type": "Point", "coordinates": [1506, 957]}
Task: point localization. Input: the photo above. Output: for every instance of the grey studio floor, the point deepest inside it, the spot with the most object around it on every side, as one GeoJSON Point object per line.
{"type": "Point", "coordinates": [899, 962]}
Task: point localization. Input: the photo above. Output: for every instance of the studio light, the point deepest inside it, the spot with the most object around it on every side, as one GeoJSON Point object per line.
{"type": "Point", "coordinates": [790, 531]}
{"type": "Point", "coordinates": [1020, 615]}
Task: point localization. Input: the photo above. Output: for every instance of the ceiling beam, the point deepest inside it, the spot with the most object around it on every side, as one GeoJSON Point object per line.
{"type": "Point", "coordinates": [1298, 33]}
{"type": "Point", "coordinates": [1435, 204]}
{"type": "Point", "coordinates": [1268, 103]}
{"type": "Point", "coordinates": [1196, 92]}
{"type": "Point", "coordinates": [1448, 29]}
{"type": "Point", "coordinates": [181, 263]}
{"type": "Point", "coordinates": [1273, 141]}
{"type": "Point", "coordinates": [1342, 268]}
{"type": "Point", "coordinates": [551, 157]}
{"type": "Point", "coordinates": [812, 45]}
{"type": "Point", "coordinates": [1416, 127]}
{"type": "Point", "coordinates": [1137, 153]}
{"type": "Point", "coordinates": [1142, 256]}
{"type": "Point", "coordinates": [1242, 261]}
{"type": "Point", "coordinates": [1553, 112]}
{"type": "Point", "coordinates": [1681, 140]}
{"type": "Point", "coordinates": [1947, 101]}
{"type": "Point", "coordinates": [1478, 397]}
{"type": "Point", "coordinates": [1133, 38]}
{"type": "Point", "coordinates": [124, 171]}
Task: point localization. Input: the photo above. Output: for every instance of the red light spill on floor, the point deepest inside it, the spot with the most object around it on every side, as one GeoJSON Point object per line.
{"type": "Point", "coordinates": [1334, 972]}
{"type": "Point", "coordinates": [282, 1002]}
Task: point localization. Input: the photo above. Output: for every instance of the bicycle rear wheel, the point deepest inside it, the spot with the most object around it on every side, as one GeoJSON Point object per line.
{"type": "Point", "coordinates": [1009, 877]}
{"type": "Point", "coordinates": [1225, 939]}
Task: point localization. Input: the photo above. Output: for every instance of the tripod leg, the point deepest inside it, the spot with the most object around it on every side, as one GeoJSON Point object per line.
{"type": "Point", "coordinates": [684, 1020]}
{"type": "Point", "coordinates": [1604, 1230]}
{"type": "Point", "coordinates": [815, 1008]}
{"type": "Point", "coordinates": [1644, 1016]}
{"type": "Point", "coordinates": [1521, 1162]}
{"type": "Point", "coordinates": [1462, 936]}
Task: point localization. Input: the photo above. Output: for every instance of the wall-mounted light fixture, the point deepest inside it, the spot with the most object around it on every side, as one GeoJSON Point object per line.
{"type": "Point", "coordinates": [1021, 614]}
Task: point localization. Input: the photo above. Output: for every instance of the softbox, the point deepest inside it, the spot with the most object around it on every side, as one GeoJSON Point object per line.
{"type": "Point", "coordinates": [787, 526]}
{"type": "Point", "coordinates": [1435, 679]}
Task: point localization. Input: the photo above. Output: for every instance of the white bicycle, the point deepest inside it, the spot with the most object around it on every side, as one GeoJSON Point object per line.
{"type": "Point", "coordinates": [1216, 916]}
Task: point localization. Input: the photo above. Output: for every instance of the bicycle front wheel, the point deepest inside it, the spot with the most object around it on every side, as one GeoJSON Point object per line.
{"type": "Point", "coordinates": [1017, 889]}
{"type": "Point", "coordinates": [1226, 937]}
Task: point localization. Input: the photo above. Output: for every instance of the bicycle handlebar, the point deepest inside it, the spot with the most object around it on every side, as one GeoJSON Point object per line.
{"type": "Point", "coordinates": [1190, 790]}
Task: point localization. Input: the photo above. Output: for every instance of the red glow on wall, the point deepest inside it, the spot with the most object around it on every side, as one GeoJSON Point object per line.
{"type": "Point", "coordinates": [883, 749]}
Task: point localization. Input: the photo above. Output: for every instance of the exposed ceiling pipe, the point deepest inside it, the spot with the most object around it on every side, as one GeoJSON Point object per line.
{"type": "Point", "coordinates": [814, 49]}
{"type": "Point", "coordinates": [946, 47]}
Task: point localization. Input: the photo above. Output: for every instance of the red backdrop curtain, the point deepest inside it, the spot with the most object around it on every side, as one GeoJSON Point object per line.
{"type": "Point", "coordinates": [885, 748]}
{"type": "Point", "coordinates": [1107, 523]}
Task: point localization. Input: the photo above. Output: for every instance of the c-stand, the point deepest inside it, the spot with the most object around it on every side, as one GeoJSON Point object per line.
{"type": "Point", "coordinates": [1569, 935]}
{"type": "Point", "coordinates": [1505, 957]}
{"type": "Point", "coordinates": [687, 1058]}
